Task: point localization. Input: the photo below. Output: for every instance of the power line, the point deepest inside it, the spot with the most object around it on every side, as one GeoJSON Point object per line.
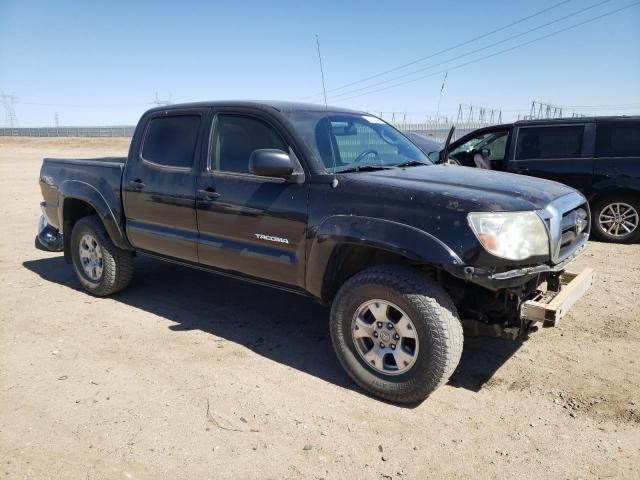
{"type": "Point", "coordinates": [500, 52]}
{"type": "Point", "coordinates": [448, 49]}
{"type": "Point", "coordinates": [486, 47]}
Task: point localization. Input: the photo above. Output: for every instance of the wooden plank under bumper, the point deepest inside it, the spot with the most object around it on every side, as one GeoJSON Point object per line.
{"type": "Point", "coordinates": [550, 307]}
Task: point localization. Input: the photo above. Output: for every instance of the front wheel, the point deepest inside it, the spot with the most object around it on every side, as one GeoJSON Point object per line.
{"type": "Point", "coordinates": [101, 267]}
{"type": "Point", "coordinates": [396, 333]}
{"type": "Point", "coordinates": [617, 219]}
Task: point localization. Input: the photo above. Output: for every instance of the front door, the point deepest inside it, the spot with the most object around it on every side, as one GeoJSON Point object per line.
{"type": "Point", "coordinates": [159, 186]}
{"type": "Point", "coordinates": [487, 149]}
{"type": "Point", "coordinates": [556, 152]}
{"type": "Point", "coordinates": [249, 224]}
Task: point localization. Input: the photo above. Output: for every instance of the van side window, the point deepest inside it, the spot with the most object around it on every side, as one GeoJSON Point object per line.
{"type": "Point", "coordinates": [544, 143]}
{"type": "Point", "coordinates": [235, 137]}
{"type": "Point", "coordinates": [619, 139]}
{"type": "Point", "coordinates": [171, 141]}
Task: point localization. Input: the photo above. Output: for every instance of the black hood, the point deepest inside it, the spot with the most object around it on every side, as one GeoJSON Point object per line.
{"type": "Point", "coordinates": [472, 189]}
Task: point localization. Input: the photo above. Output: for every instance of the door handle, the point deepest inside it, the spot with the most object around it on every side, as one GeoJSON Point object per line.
{"type": "Point", "coordinates": [208, 194]}
{"type": "Point", "coordinates": [137, 184]}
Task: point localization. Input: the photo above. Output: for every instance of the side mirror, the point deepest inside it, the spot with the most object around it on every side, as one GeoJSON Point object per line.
{"type": "Point", "coordinates": [270, 162]}
{"type": "Point", "coordinates": [486, 153]}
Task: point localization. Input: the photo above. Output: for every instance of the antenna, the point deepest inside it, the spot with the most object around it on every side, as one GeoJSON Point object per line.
{"type": "Point", "coordinates": [334, 181]}
{"type": "Point", "coordinates": [324, 90]}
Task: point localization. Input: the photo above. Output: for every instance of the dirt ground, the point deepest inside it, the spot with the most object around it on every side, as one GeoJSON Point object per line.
{"type": "Point", "coordinates": [187, 375]}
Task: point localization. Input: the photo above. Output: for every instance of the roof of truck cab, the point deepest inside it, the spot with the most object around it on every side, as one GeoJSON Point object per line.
{"type": "Point", "coordinates": [277, 105]}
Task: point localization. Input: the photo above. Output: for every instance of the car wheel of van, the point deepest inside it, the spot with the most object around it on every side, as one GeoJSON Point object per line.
{"type": "Point", "coordinates": [396, 332]}
{"type": "Point", "coordinates": [101, 267]}
{"type": "Point", "coordinates": [617, 219]}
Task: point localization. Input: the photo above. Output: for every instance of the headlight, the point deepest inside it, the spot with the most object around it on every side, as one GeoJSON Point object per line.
{"type": "Point", "coordinates": [511, 235]}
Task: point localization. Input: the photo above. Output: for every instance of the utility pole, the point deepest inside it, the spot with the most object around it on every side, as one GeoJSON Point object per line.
{"type": "Point", "coordinates": [440, 97]}
{"type": "Point", "coordinates": [10, 117]}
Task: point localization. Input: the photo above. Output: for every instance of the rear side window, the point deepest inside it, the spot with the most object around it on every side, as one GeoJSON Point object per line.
{"type": "Point", "coordinates": [621, 139]}
{"type": "Point", "coordinates": [236, 137]}
{"type": "Point", "coordinates": [549, 142]}
{"type": "Point", "coordinates": [171, 141]}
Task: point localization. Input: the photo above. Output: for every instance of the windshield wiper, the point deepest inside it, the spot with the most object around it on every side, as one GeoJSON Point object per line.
{"type": "Point", "coordinates": [411, 163]}
{"type": "Point", "coordinates": [365, 168]}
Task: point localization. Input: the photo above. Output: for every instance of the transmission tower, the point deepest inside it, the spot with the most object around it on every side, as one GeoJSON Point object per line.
{"type": "Point", "coordinates": [10, 117]}
{"type": "Point", "coordinates": [541, 110]}
{"type": "Point", "coordinates": [56, 121]}
{"type": "Point", "coordinates": [159, 102]}
{"type": "Point", "coordinates": [478, 114]}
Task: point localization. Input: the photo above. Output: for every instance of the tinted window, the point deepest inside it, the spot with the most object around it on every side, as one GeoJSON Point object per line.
{"type": "Point", "coordinates": [171, 141]}
{"type": "Point", "coordinates": [549, 142]}
{"type": "Point", "coordinates": [618, 140]}
{"type": "Point", "coordinates": [236, 137]}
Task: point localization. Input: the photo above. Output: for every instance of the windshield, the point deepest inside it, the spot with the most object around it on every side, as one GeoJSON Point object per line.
{"type": "Point", "coordinates": [352, 141]}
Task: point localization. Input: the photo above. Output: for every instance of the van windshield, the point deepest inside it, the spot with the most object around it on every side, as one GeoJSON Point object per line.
{"type": "Point", "coordinates": [351, 142]}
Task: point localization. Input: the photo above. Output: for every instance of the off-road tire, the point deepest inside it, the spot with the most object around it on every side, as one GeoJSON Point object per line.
{"type": "Point", "coordinates": [117, 264]}
{"type": "Point", "coordinates": [600, 204]}
{"type": "Point", "coordinates": [432, 312]}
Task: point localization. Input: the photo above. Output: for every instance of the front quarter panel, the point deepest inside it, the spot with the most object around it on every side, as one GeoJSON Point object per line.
{"type": "Point", "coordinates": [387, 235]}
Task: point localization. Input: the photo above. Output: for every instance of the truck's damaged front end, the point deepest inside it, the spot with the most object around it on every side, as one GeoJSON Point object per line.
{"type": "Point", "coordinates": [508, 300]}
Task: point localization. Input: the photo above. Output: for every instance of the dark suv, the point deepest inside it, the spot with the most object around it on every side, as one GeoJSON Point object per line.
{"type": "Point", "coordinates": [600, 156]}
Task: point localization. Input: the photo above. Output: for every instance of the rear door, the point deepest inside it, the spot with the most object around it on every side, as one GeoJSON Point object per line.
{"type": "Point", "coordinates": [562, 153]}
{"type": "Point", "coordinates": [159, 185]}
{"type": "Point", "coordinates": [249, 224]}
{"type": "Point", "coordinates": [618, 153]}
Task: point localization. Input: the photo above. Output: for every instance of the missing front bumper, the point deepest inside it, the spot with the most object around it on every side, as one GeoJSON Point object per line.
{"type": "Point", "coordinates": [548, 307]}
{"type": "Point", "coordinates": [49, 238]}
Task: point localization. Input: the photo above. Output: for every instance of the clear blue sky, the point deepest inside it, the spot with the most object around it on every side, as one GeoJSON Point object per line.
{"type": "Point", "coordinates": [102, 62]}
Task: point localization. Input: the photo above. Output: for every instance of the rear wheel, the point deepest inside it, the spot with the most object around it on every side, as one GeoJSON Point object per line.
{"type": "Point", "coordinates": [617, 219]}
{"type": "Point", "coordinates": [101, 267]}
{"type": "Point", "coordinates": [396, 333]}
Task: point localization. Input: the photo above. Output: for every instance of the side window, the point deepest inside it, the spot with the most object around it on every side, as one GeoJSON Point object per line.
{"type": "Point", "coordinates": [171, 141]}
{"type": "Point", "coordinates": [234, 139]}
{"type": "Point", "coordinates": [621, 139]}
{"type": "Point", "coordinates": [541, 143]}
{"type": "Point", "coordinates": [494, 143]}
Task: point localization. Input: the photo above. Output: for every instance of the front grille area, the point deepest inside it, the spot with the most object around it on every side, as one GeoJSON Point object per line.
{"type": "Point", "coordinates": [574, 230]}
{"type": "Point", "coordinates": [574, 222]}
{"type": "Point", "coordinates": [568, 221]}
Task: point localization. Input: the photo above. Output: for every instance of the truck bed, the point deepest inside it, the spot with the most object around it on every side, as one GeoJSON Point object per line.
{"type": "Point", "coordinates": [98, 178]}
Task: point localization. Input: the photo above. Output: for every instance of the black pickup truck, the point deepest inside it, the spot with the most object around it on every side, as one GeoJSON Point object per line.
{"type": "Point", "coordinates": [335, 204]}
{"type": "Point", "coordinates": [599, 156]}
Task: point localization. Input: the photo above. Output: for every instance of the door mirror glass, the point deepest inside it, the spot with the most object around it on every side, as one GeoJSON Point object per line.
{"type": "Point", "coordinates": [270, 162]}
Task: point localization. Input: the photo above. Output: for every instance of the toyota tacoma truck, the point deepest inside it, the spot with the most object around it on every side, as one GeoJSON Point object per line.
{"type": "Point", "coordinates": [337, 205]}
